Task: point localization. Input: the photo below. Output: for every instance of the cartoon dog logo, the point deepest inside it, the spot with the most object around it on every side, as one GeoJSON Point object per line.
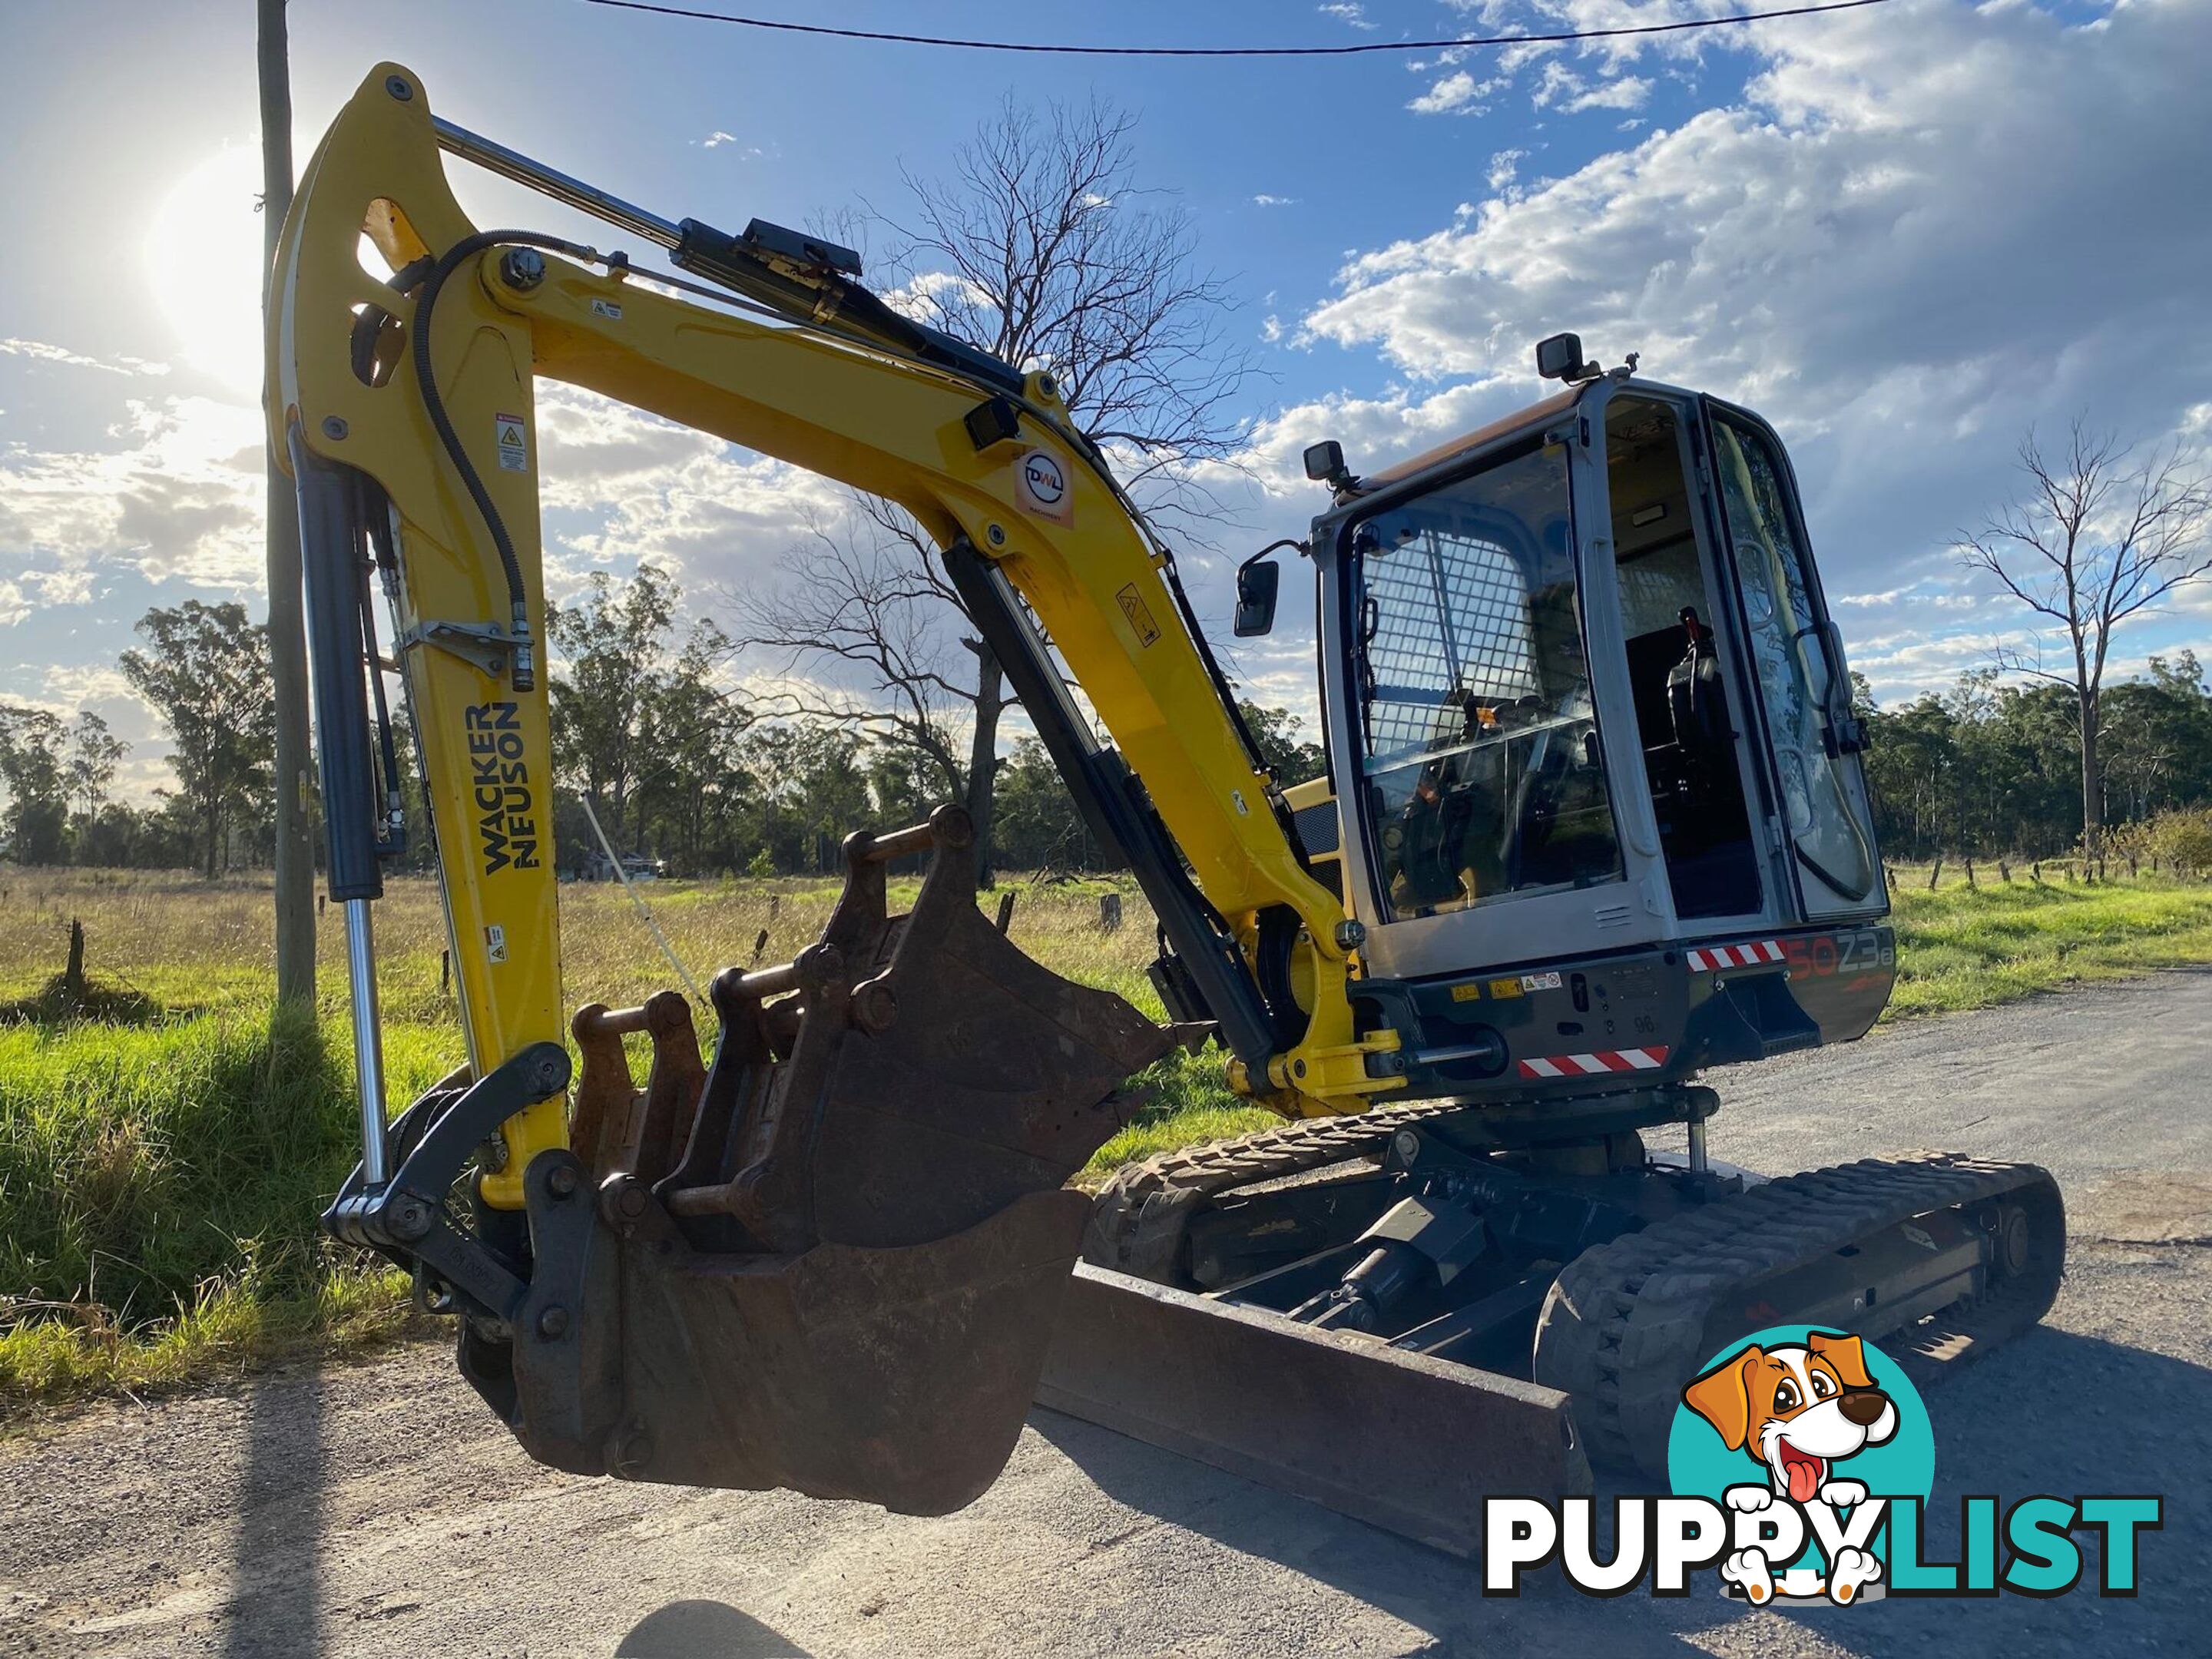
{"type": "Point", "coordinates": [1799, 1410]}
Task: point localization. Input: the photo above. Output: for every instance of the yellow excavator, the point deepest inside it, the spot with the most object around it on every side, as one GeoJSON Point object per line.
{"type": "Point", "coordinates": [1594, 822]}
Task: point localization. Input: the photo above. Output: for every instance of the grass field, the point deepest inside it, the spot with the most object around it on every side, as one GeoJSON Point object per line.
{"type": "Point", "coordinates": [159, 1179]}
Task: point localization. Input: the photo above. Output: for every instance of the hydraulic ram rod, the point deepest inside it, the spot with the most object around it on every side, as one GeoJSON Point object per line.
{"type": "Point", "coordinates": [551, 181]}
{"type": "Point", "coordinates": [332, 559]}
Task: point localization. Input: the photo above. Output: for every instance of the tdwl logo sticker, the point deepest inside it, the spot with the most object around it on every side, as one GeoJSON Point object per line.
{"type": "Point", "coordinates": [1804, 1435]}
{"type": "Point", "coordinates": [1802, 1460]}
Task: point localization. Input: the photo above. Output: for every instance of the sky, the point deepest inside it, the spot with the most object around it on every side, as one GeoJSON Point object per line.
{"type": "Point", "coordinates": [1907, 235]}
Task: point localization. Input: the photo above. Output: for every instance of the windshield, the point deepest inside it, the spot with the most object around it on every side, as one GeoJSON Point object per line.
{"type": "Point", "coordinates": [1482, 774]}
{"type": "Point", "coordinates": [1793, 670]}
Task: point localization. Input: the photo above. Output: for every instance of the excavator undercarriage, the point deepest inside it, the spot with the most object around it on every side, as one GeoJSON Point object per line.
{"type": "Point", "coordinates": [1516, 1316]}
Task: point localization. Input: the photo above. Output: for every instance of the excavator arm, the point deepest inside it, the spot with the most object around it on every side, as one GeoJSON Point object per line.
{"type": "Point", "coordinates": [833, 1261]}
{"type": "Point", "coordinates": [1030, 522]}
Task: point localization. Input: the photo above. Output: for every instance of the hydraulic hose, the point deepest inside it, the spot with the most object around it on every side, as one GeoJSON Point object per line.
{"type": "Point", "coordinates": [523, 654]}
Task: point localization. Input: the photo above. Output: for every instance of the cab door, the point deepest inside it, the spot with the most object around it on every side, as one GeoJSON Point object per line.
{"type": "Point", "coordinates": [1488, 760]}
{"type": "Point", "coordinates": [1813, 740]}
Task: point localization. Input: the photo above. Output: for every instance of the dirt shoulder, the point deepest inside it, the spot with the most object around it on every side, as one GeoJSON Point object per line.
{"type": "Point", "coordinates": [375, 1508]}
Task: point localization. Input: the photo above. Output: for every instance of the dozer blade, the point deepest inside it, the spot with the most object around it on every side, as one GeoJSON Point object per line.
{"type": "Point", "coordinates": [1403, 1441]}
{"type": "Point", "coordinates": [834, 1262]}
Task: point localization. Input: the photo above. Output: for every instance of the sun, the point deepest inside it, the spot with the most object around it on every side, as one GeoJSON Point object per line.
{"type": "Point", "coordinates": [204, 260]}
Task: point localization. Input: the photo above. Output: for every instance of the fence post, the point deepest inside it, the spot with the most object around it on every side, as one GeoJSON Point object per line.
{"type": "Point", "coordinates": [1005, 910]}
{"type": "Point", "coordinates": [73, 976]}
{"type": "Point", "coordinates": [1109, 912]}
{"type": "Point", "coordinates": [444, 972]}
{"type": "Point", "coordinates": [1970, 873]}
{"type": "Point", "coordinates": [1935, 874]}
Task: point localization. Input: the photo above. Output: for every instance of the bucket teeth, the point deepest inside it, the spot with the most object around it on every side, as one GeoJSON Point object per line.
{"type": "Point", "coordinates": [934, 1075]}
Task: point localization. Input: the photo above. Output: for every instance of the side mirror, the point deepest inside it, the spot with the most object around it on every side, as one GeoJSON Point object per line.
{"type": "Point", "coordinates": [1257, 584]}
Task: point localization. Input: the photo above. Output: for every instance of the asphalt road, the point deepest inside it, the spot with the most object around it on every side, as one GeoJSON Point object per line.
{"type": "Point", "coordinates": [374, 1509]}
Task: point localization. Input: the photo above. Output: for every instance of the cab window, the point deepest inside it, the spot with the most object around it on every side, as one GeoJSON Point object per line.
{"type": "Point", "coordinates": [1483, 777]}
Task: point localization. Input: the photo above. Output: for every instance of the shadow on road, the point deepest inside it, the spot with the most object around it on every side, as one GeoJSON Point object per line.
{"type": "Point", "coordinates": [704, 1630]}
{"type": "Point", "coordinates": [2053, 1413]}
{"type": "Point", "coordinates": [274, 1568]}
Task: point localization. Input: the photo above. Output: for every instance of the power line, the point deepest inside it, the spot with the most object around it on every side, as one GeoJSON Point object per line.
{"type": "Point", "coordinates": [1351, 50]}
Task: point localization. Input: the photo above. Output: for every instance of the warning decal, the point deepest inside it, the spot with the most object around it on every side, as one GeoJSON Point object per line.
{"type": "Point", "coordinates": [1140, 615]}
{"type": "Point", "coordinates": [513, 452]}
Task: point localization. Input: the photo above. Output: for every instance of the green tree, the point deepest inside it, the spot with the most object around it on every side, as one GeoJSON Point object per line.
{"type": "Point", "coordinates": [611, 650]}
{"type": "Point", "coordinates": [695, 785]}
{"type": "Point", "coordinates": [642, 733]}
{"type": "Point", "coordinates": [1275, 731]}
{"type": "Point", "coordinates": [1039, 827]}
{"type": "Point", "coordinates": [95, 753]}
{"type": "Point", "coordinates": [34, 769]}
{"type": "Point", "coordinates": [205, 672]}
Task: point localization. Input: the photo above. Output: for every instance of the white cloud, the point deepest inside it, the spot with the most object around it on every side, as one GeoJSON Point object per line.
{"type": "Point", "coordinates": [1919, 229]}
{"type": "Point", "coordinates": [1628, 92]}
{"type": "Point", "coordinates": [1265, 200]}
{"type": "Point", "coordinates": [1561, 88]}
{"type": "Point", "coordinates": [928, 294]}
{"type": "Point", "coordinates": [1891, 200]}
{"type": "Point", "coordinates": [1504, 167]}
{"type": "Point", "coordinates": [619, 486]}
{"type": "Point", "coordinates": [39, 351]}
{"type": "Point", "coordinates": [1349, 12]}
{"type": "Point", "coordinates": [721, 139]}
{"type": "Point", "coordinates": [1457, 93]}
{"type": "Point", "coordinates": [182, 497]}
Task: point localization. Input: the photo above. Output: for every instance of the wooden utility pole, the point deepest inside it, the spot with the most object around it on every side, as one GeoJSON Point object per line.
{"type": "Point", "coordinates": [288, 644]}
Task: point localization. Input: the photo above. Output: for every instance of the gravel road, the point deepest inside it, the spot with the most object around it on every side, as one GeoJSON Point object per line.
{"type": "Point", "coordinates": [372, 1509]}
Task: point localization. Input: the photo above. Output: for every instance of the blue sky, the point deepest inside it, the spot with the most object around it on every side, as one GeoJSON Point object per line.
{"type": "Point", "coordinates": [1905, 234]}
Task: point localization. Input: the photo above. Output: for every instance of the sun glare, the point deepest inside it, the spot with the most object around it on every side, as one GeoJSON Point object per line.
{"type": "Point", "coordinates": [204, 260]}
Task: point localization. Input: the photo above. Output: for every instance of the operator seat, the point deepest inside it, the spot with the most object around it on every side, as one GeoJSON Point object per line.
{"type": "Point", "coordinates": [1698, 705]}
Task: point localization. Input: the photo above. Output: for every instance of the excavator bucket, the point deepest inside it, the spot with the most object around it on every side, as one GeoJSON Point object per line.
{"type": "Point", "coordinates": [833, 1259]}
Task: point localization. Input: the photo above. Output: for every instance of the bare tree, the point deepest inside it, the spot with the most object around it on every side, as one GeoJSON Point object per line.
{"type": "Point", "coordinates": [1041, 251]}
{"type": "Point", "coordinates": [857, 600]}
{"type": "Point", "coordinates": [2097, 538]}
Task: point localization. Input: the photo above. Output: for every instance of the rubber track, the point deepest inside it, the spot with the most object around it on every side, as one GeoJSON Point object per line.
{"type": "Point", "coordinates": [1624, 1327]}
{"type": "Point", "coordinates": [1137, 1226]}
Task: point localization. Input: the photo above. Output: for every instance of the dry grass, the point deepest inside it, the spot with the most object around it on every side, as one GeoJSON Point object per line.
{"type": "Point", "coordinates": [195, 947]}
{"type": "Point", "coordinates": [160, 1176]}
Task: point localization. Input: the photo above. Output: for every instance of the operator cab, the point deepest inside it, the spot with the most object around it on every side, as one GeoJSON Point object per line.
{"type": "Point", "coordinates": [1586, 710]}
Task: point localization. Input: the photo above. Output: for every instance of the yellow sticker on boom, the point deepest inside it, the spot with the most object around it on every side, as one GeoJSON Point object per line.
{"type": "Point", "coordinates": [1505, 987]}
